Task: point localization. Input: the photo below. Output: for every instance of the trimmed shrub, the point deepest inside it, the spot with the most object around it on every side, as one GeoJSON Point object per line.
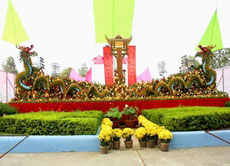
{"type": "Point", "coordinates": [190, 118]}
{"type": "Point", "coordinates": [227, 104]}
{"type": "Point", "coordinates": [7, 109]}
{"type": "Point", "coordinates": [52, 123]}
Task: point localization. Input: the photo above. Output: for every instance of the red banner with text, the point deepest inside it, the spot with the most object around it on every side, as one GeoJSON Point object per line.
{"type": "Point", "coordinates": [131, 65]}
{"type": "Point", "coordinates": [108, 65]}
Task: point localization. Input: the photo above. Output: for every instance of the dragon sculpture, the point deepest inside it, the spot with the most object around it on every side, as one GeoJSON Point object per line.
{"type": "Point", "coordinates": [32, 84]}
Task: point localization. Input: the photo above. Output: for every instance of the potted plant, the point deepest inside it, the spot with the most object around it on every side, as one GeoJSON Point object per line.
{"type": "Point", "coordinates": [104, 137]}
{"type": "Point", "coordinates": [127, 134]}
{"type": "Point", "coordinates": [131, 116]}
{"type": "Point", "coordinates": [151, 132]}
{"type": "Point", "coordinates": [165, 137]}
{"type": "Point", "coordinates": [117, 134]}
{"type": "Point", "coordinates": [159, 130]}
{"type": "Point", "coordinates": [115, 115]}
{"type": "Point", "coordinates": [141, 136]}
{"type": "Point", "coordinates": [105, 123]}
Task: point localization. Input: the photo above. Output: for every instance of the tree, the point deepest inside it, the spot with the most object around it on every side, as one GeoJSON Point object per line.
{"type": "Point", "coordinates": [83, 70]}
{"type": "Point", "coordinates": [65, 73]}
{"type": "Point", "coordinates": [192, 61]}
{"type": "Point", "coordinates": [221, 58]}
{"type": "Point", "coordinates": [10, 65]}
{"type": "Point", "coordinates": [188, 63]}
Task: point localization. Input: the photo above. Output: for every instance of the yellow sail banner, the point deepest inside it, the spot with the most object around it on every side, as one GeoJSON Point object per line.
{"type": "Point", "coordinates": [113, 17]}
{"type": "Point", "coordinates": [14, 31]}
{"type": "Point", "coordinates": [212, 35]}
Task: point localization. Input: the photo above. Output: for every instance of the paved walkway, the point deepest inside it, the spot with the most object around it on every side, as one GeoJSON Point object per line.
{"type": "Point", "coordinates": [208, 156]}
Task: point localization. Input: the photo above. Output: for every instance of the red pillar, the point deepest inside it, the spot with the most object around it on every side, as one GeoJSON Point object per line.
{"type": "Point", "coordinates": [108, 65]}
{"type": "Point", "coordinates": [131, 65]}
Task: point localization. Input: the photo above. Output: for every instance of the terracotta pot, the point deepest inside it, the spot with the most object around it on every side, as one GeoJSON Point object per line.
{"type": "Point", "coordinates": [128, 144]}
{"type": "Point", "coordinates": [151, 143]}
{"type": "Point", "coordinates": [125, 117]}
{"type": "Point", "coordinates": [143, 144]}
{"type": "Point", "coordinates": [104, 149]}
{"type": "Point", "coordinates": [131, 123]}
{"type": "Point", "coordinates": [116, 124]}
{"type": "Point", "coordinates": [116, 144]}
{"type": "Point", "coordinates": [164, 147]}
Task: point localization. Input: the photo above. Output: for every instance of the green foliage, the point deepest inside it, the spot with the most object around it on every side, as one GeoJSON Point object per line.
{"type": "Point", "coordinates": [190, 118]}
{"type": "Point", "coordinates": [130, 111]}
{"type": "Point", "coordinates": [83, 70]}
{"type": "Point", "coordinates": [227, 104]}
{"type": "Point", "coordinates": [52, 123]}
{"type": "Point", "coordinates": [7, 109]}
{"type": "Point", "coordinates": [113, 113]}
{"type": "Point", "coordinates": [192, 61]}
{"type": "Point", "coordinates": [65, 73]}
{"type": "Point", "coordinates": [221, 58]}
{"type": "Point", "coordinates": [10, 65]}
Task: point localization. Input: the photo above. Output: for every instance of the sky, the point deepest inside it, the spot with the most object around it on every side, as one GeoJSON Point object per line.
{"type": "Point", "coordinates": [62, 31]}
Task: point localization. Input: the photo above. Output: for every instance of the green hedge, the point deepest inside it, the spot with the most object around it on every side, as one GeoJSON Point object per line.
{"type": "Point", "coordinates": [190, 118]}
{"type": "Point", "coordinates": [7, 109]}
{"type": "Point", "coordinates": [52, 123]}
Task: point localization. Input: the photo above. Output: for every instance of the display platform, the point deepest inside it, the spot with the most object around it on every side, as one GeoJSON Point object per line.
{"type": "Point", "coordinates": [105, 105]}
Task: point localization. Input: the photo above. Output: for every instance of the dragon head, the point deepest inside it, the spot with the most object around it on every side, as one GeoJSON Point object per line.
{"type": "Point", "coordinates": [26, 52]}
{"type": "Point", "coordinates": [205, 53]}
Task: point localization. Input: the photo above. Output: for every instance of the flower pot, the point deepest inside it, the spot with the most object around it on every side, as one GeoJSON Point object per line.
{"type": "Point", "coordinates": [125, 117]}
{"type": "Point", "coordinates": [158, 143]}
{"type": "Point", "coordinates": [151, 143]}
{"type": "Point", "coordinates": [110, 145]}
{"type": "Point", "coordinates": [116, 144]}
{"type": "Point", "coordinates": [143, 144]}
{"type": "Point", "coordinates": [104, 149]}
{"type": "Point", "coordinates": [164, 147]}
{"type": "Point", "coordinates": [131, 123]}
{"type": "Point", "coordinates": [128, 144]}
{"type": "Point", "coordinates": [116, 124]}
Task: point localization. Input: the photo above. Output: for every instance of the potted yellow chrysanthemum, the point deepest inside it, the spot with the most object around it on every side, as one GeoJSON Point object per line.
{"type": "Point", "coordinates": [141, 136]}
{"type": "Point", "coordinates": [151, 132]}
{"type": "Point", "coordinates": [117, 134]}
{"type": "Point", "coordinates": [159, 130]}
{"type": "Point", "coordinates": [104, 137]}
{"type": "Point", "coordinates": [165, 137]}
{"type": "Point", "coordinates": [127, 134]}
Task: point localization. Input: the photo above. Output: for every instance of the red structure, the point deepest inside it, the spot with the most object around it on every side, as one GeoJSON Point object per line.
{"type": "Point", "coordinates": [108, 65]}
{"type": "Point", "coordinates": [119, 48]}
{"type": "Point", "coordinates": [132, 65]}
{"type": "Point", "coordinates": [105, 105]}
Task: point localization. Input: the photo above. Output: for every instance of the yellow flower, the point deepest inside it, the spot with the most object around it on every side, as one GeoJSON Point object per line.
{"type": "Point", "coordinates": [104, 137]}
{"type": "Point", "coordinates": [160, 129]}
{"type": "Point", "coordinates": [117, 133]}
{"type": "Point", "coordinates": [140, 133]}
{"type": "Point", "coordinates": [165, 135]}
{"type": "Point", "coordinates": [150, 130]}
{"type": "Point", "coordinates": [127, 132]}
{"type": "Point", "coordinates": [107, 121]}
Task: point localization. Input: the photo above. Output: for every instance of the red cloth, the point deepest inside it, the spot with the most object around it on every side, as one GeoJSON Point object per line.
{"type": "Point", "coordinates": [105, 105]}
{"type": "Point", "coordinates": [131, 65]}
{"type": "Point", "coordinates": [108, 65]}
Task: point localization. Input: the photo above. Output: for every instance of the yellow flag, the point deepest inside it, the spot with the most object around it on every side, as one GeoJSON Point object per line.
{"type": "Point", "coordinates": [14, 31]}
